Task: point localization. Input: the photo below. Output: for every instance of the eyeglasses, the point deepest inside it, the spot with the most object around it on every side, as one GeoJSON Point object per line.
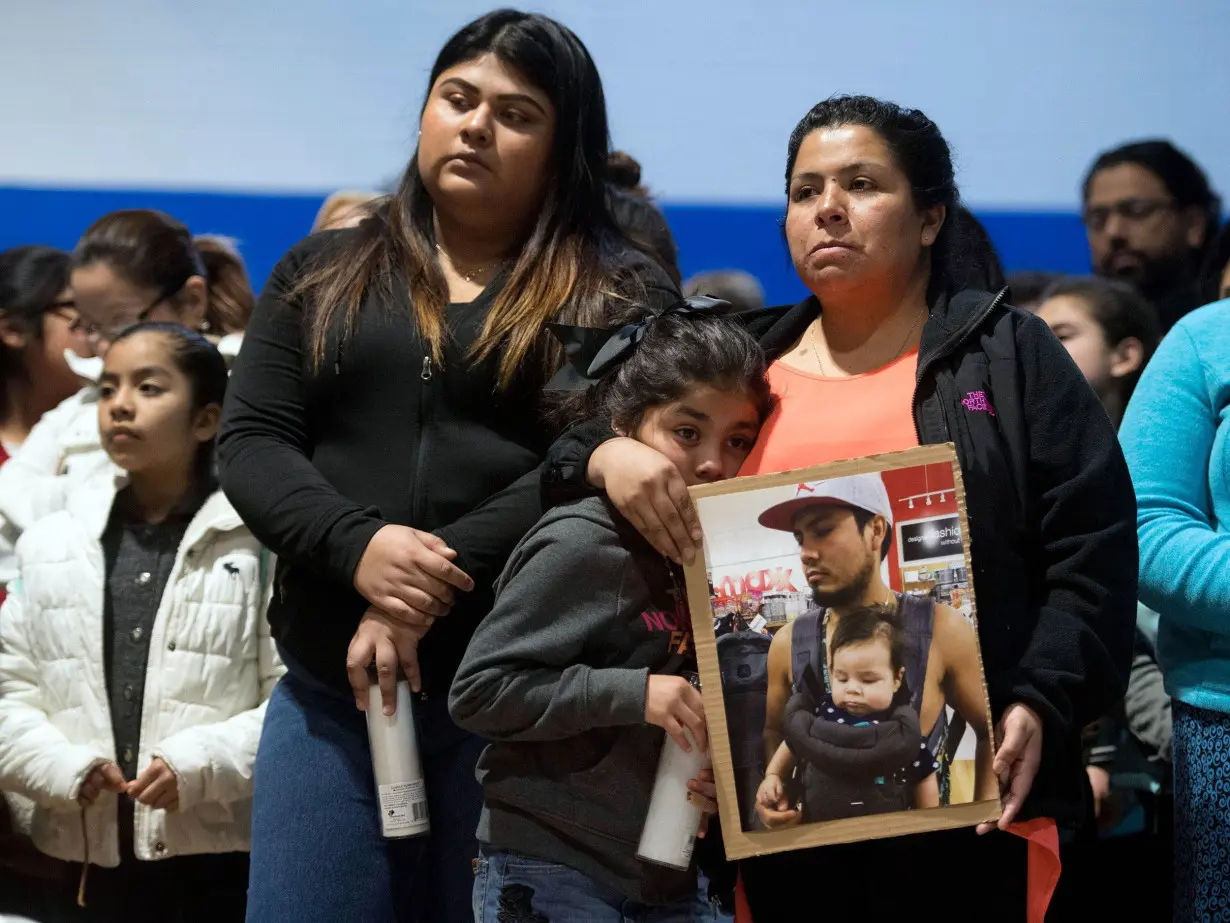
{"type": "Point", "coordinates": [66, 309]}
{"type": "Point", "coordinates": [1136, 211]}
{"type": "Point", "coordinates": [95, 332]}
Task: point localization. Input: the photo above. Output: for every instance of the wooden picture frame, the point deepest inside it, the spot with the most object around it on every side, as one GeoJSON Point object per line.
{"type": "Point", "coordinates": [940, 508]}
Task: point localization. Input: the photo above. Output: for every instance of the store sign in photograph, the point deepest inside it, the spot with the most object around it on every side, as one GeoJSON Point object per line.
{"type": "Point", "coordinates": [930, 540]}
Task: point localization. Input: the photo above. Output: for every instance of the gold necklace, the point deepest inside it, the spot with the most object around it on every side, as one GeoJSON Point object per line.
{"type": "Point", "coordinates": [811, 331]}
{"type": "Point", "coordinates": [473, 274]}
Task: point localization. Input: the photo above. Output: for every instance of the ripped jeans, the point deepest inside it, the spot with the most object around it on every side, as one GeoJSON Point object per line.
{"type": "Point", "coordinates": [509, 888]}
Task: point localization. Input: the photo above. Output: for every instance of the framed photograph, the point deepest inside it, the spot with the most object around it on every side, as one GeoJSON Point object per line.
{"type": "Point", "coordinates": [840, 665]}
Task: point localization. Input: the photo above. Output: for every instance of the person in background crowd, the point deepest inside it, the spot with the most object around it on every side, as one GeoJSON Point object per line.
{"type": "Point", "coordinates": [383, 434]}
{"type": "Point", "coordinates": [575, 689]}
{"type": "Point", "coordinates": [894, 348]}
{"type": "Point", "coordinates": [1110, 331]}
{"type": "Point", "coordinates": [636, 214]}
{"type": "Point", "coordinates": [39, 323]}
{"type": "Point", "coordinates": [129, 266]}
{"type": "Point", "coordinates": [1215, 277]}
{"type": "Point", "coordinates": [1174, 436]}
{"type": "Point", "coordinates": [1149, 213]}
{"type": "Point", "coordinates": [1025, 288]}
{"type": "Point", "coordinates": [738, 288]}
{"type": "Point", "coordinates": [136, 657]}
{"type": "Point", "coordinates": [345, 209]}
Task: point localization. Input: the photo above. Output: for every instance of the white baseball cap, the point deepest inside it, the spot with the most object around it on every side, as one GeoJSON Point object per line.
{"type": "Point", "coordinates": [860, 491]}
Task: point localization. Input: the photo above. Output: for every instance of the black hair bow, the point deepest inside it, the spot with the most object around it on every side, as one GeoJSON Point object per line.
{"type": "Point", "coordinates": [592, 352]}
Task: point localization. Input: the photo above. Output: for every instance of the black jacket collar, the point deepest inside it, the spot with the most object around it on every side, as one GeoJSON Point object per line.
{"type": "Point", "coordinates": [950, 321]}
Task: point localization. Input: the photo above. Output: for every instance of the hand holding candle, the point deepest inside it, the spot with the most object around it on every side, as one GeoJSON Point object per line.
{"type": "Point", "coordinates": [702, 792]}
{"type": "Point", "coordinates": [675, 813]}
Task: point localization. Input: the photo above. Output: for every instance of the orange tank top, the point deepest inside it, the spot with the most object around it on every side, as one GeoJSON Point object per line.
{"type": "Point", "coordinates": [821, 419]}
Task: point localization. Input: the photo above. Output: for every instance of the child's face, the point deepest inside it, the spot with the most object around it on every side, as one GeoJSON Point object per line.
{"type": "Point", "coordinates": [707, 434]}
{"type": "Point", "coordinates": [145, 408]}
{"type": "Point", "coordinates": [1102, 363]}
{"type": "Point", "coordinates": [862, 677]}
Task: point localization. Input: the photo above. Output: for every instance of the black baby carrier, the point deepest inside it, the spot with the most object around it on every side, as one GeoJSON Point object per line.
{"type": "Point", "coordinates": [808, 655]}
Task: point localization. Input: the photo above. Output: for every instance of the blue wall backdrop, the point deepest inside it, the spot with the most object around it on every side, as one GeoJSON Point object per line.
{"type": "Point", "coordinates": [238, 117]}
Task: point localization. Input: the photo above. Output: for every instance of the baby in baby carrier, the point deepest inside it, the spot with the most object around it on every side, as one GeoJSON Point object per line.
{"type": "Point", "coordinates": [854, 735]}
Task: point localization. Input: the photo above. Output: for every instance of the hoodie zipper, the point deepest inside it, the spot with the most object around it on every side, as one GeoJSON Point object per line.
{"type": "Point", "coordinates": [417, 495]}
{"type": "Point", "coordinates": [945, 349]}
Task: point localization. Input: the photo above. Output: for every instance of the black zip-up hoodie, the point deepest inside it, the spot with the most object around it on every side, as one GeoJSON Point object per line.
{"type": "Point", "coordinates": [316, 461]}
{"type": "Point", "coordinates": [1051, 511]}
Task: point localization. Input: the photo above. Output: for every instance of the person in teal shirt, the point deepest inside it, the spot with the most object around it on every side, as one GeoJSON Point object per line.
{"type": "Point", "coordinates": [1176, 437]}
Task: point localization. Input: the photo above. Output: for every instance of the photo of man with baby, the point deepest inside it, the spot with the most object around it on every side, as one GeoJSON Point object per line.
{"type": "Point", "coordinates": [846, 644]}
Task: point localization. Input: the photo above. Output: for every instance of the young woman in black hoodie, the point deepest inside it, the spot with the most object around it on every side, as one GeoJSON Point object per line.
{"type": "Point", "coordinates": [871, 195]}
{"type": "Point", "coordinates": [382, 435]}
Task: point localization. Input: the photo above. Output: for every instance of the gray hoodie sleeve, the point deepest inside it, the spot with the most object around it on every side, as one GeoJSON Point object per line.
{"type": "Point", "coordinates": [562, 597]}
{"type": "Point", "coordinates": [1146, 703]}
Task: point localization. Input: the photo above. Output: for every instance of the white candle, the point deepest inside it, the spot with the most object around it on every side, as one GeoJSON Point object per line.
{"type": "Point", "coordinates": [400, 790]}
{"type": "Point", "coordinates": [670, 829]}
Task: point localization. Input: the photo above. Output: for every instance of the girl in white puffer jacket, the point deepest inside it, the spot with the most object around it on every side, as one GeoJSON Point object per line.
{"type": "Point", "coordinates": [135, 657]}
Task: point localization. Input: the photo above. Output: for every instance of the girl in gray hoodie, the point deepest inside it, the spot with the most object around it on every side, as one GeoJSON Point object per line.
{"type": "Point", "coordinates": [579, 671]}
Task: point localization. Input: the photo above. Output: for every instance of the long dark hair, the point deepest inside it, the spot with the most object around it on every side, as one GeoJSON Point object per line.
{"type": "Point", "coordinates": [31, 278]}
{"type": "Point", "coordinates": [677, 353]}
{"type": "Point", "coordinates": [199, 361]}
{"type": "Point", "coordinates": [923, 155]}
{"type": "Point", "coordinates": [559, 273]}
{"type": "Point", "coordinates": [153, 250]}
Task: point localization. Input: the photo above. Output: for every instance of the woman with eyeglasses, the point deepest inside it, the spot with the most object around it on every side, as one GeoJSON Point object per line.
{"type": "Point", "coordinates": [130, 266]}
{"type": "Point", "coordinates": [39, 321]}
{"type": "Point", "coordinates": [38, 324]}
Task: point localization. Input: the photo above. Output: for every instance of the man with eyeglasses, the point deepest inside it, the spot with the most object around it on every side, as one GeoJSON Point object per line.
{"type": "Point", "coordinates": [1149, 213]}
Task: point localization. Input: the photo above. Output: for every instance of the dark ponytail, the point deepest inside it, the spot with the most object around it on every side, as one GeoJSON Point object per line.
{"type": "Point", "coordinates": [199, 361]}
{"type": "Point", "coordinates": [231, 299]}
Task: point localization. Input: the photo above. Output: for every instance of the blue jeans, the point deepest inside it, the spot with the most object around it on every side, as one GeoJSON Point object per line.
{"type": "Point", "coordinates": [509, 888]}
{"type": "Point", "coordinates": [317, 850]}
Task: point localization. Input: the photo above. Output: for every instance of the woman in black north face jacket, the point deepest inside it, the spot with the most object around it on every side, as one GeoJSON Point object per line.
{"type": "Point", "coordinates": [1050, 503]}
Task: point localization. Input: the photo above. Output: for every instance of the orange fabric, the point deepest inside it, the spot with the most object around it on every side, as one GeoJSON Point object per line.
{"type": "Point", "coordinates": [1044, 865]}
{"type": "Point", "coordinates": [821, 420]}
{"type": "Point", "coordinates": [743, 913]}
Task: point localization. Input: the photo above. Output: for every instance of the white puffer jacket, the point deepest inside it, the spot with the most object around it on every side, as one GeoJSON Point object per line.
{"type": "Point", "coordinates": [212, 666]}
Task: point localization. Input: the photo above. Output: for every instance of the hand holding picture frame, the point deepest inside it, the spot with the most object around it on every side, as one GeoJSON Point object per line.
{"type": "Point", "coordinates": [841, 672]}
